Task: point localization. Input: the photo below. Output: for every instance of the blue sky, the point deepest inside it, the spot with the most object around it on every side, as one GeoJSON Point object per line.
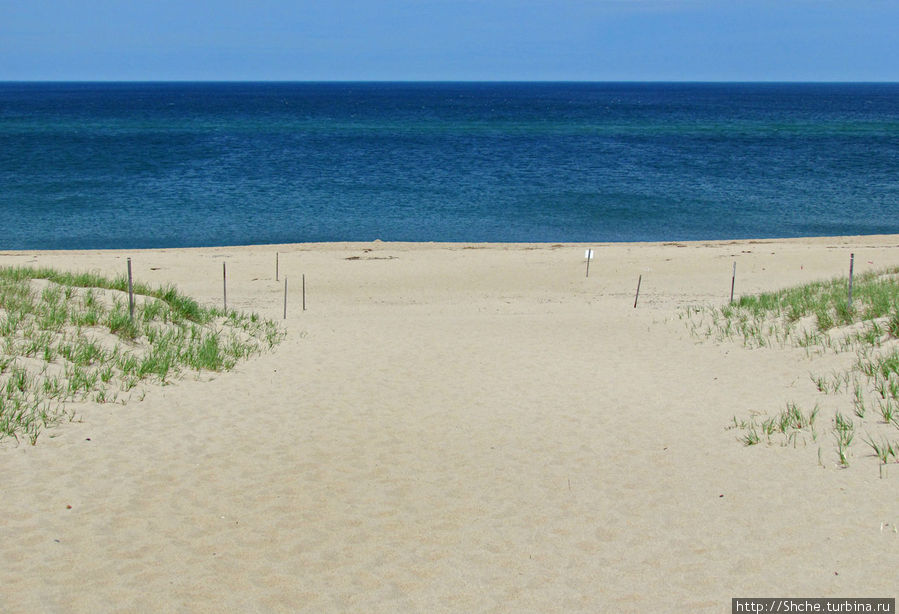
{"type": "Point", "coordinates": [596, 40]}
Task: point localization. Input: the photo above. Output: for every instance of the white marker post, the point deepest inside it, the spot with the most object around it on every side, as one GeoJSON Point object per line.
{"type": "Point", "coordinates": [285, 298]}
{"type": "Point", "coordinates": [276, 266]}
{"type": "Point", "coordinates": [589, 256]}
{"type": "Point", "coordinates": [224, 287]}
{"type": "Point", "coordinates": [851, 264]}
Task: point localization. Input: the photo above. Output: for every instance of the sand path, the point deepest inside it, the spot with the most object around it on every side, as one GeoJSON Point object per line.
{"type": "Point", "coordinates": [454, 430]}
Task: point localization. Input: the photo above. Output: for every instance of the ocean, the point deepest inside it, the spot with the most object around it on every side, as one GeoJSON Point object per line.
{"type": "Point", "coordinates": [134, 165]}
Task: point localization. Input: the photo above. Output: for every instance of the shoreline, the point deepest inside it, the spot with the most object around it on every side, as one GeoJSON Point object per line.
{"type": "Point", "coordinates": [463, 244]}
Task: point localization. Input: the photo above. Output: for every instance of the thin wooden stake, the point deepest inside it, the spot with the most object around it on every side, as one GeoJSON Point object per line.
{"type": "Point", "coordinates": [285, 298]}
{"type": "Point", "coordinates": [304, 292]}
{"type": "Point", "coordinates": [224, 287]}
{"type": "Point", "coordinates": [639, 279]}
{"type": "Point", "coordinates": [589, 258]}
{"type": "Point", "coordinates": [851, 264]}
{"type": "Point", "coordinates": [130, 292]}
{"type": "Point", "coordinates": [733, 280]}
{"type": "Point", "coordinates": [276, 266]}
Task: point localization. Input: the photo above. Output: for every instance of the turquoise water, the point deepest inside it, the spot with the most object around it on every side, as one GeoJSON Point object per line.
{"type": "Point", "coordinates": [127, 165]}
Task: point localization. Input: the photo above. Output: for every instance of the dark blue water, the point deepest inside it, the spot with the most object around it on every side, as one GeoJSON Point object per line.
{"type": "Point", "coordinates": [191, 164]}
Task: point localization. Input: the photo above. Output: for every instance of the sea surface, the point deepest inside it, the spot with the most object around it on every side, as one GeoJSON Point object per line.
{"type": "Point", "coordinates": [131, 165]}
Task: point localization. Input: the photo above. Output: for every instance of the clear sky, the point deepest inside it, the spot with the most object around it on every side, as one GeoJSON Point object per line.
{"type": "Point", "coordinates": [584, 40]}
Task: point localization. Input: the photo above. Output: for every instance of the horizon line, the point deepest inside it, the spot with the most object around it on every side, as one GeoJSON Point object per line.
{"type": "Point", "coordinates": [425, 81]}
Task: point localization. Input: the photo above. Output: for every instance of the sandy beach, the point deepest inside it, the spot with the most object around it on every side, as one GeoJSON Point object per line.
{"type": "Point", "coordinates": [456, 428]}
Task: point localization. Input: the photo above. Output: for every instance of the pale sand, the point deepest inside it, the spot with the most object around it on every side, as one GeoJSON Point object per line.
{"type": "Point", "coordinates": [455, 429]}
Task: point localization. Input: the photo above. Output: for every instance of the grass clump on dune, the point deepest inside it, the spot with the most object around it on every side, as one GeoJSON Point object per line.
{"type": "Point", "coordinates": [813, 316]}
{"type": "Point", "coordinates": [818, 318]}
{"type": "Point", "coordinates": [71, 337]}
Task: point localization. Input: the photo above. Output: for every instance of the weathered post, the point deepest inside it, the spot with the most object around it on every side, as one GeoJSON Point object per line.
{"type": "Point", "coordinates": [733, 280]}
{"type": "Point", "coordinates": [130, 292]}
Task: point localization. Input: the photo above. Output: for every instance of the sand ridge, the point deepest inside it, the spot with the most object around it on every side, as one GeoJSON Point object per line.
{"type": "Point", "coordinates": [453, 428]}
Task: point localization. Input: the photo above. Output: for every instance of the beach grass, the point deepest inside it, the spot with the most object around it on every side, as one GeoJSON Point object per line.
{"type": "Point", "coordinates": [819, 318]}
{"type": "Point", "coordinates": [72, 337]}
{"type": "Point", "coordinates": [790, 426]}
{"type": "Point", "coordinates": [815, 316]}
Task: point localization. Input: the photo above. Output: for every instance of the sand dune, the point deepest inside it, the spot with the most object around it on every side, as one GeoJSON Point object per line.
{"type": "Point", "coordinates": [454, 428]}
